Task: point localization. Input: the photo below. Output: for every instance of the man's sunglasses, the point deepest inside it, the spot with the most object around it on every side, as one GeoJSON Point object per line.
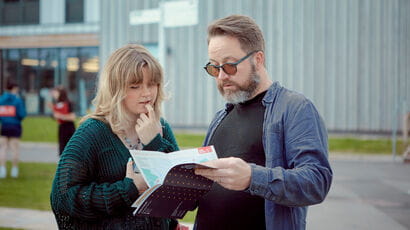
{"type": "Point", "coordinates": [228, 68]}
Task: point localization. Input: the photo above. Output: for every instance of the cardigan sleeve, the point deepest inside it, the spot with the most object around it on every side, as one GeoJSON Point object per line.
{"type": "Point", "coordinates": [166, 143]}
{"type": "Point", "coordinates": [76, 191]}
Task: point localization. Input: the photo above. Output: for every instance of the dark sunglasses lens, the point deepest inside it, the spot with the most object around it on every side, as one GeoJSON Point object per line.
{"type": "Point", "coordinates": [212, 70]}
{"type": "Point", "coordinates": [229, 68]}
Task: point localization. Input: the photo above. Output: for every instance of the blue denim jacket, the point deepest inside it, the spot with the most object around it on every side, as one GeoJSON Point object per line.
{"type": "Point", "coordinates": [297, 171]}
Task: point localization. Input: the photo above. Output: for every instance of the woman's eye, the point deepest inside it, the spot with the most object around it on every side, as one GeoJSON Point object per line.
{"type": "Point", "coordinates": [135, 87]}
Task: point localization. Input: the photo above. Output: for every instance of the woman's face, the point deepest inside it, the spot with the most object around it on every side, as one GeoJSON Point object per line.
{"type": "Point", "coordinates": [139, 95]}
{"type": "Point", "coordinates": [55, 94]}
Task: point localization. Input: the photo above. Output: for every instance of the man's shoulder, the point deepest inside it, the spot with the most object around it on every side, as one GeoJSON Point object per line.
{"type": "Point", "coordinates": [282, 95]}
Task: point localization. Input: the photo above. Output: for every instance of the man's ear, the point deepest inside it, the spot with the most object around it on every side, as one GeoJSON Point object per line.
{"type": "Point", "coordinates": [260, 59]}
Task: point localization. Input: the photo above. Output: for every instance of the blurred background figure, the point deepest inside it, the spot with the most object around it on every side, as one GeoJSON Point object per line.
{"type": "Point", "coordinates": [12, 112]}
{"type": "Point", "coordinates": [63, 113]}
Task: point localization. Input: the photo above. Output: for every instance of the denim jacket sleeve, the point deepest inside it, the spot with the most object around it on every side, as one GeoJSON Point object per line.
{"type": "Point", "coordinates": [297, 171]}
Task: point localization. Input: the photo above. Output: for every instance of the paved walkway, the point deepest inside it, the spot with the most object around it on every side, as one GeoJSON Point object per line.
{"type": "Point", "coordinates": [344, 207]}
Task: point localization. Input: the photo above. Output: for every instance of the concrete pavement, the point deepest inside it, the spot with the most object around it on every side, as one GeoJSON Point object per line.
{"type": "Point", "coordinates": [27, 219]}
{"type": "Point", "coordinates": [368, 192]}
{"type": "Point", "coordinates": [372, 193]}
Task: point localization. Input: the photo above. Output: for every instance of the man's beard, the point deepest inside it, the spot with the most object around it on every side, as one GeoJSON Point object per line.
{"type": "Point", "coordinates": [242, 93]}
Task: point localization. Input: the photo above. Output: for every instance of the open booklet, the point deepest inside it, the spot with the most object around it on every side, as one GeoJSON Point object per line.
{"type": "Point", "coordinates": [174, 188]}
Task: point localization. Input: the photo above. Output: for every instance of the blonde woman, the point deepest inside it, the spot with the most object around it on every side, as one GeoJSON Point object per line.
{"type": "Point", "coordinates": [94, 186]}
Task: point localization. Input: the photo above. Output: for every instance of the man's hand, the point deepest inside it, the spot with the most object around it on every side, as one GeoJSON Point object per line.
{"type": "Point", "coordinates": [231, 173]}
{"type": "Point", "coordinates": [148, 127]}
{"type": "Point", "coordinates": [137, 178]}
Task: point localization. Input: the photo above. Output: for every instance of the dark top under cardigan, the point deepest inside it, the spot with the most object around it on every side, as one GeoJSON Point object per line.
{"type": "Point", "coordinates": [90, 190]}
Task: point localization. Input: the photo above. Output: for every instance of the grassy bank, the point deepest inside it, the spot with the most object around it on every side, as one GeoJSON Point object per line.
{"type": "Point", "coordinates": [44, 129]}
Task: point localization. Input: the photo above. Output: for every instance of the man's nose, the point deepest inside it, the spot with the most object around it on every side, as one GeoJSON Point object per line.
{"type": "Point", "coordinates": [222, 75]}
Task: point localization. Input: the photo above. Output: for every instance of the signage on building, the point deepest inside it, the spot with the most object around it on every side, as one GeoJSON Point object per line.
{"type": "Point", "coordinates": [180, 13]}
{"type": "Point", "coordinates": [176, 13]}
{"type": "Point", "coordinates": [147, 16]}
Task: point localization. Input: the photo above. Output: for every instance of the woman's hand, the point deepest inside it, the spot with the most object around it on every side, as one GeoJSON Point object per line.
{"type": "Point", "coordinates": [136, 177]}
{"type": "Point", "coordinates": [148, 127]}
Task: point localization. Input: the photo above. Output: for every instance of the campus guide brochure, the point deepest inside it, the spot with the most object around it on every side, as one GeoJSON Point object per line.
{"type": "Point", "coordinates": [174, 188]}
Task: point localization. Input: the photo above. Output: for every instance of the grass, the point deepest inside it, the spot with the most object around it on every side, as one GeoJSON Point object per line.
{"type": "Point", "coordinates": [363, 146]}
{"type": "Point", "coordinates": [39, 129]}
{"type": "Point", "coordinates": [186, 140]}
{"type": "Point", "coordinates": [44, 129]}
{"type": "Point", "coordinates": [32, 188]}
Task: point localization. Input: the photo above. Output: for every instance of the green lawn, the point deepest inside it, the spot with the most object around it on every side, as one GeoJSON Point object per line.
{"type": "Point", "coordinates": [363, 146]}
{"type": "Point", "coordinates": [32, 188]}
{"type": "Point", "coordinates": [39, 129]}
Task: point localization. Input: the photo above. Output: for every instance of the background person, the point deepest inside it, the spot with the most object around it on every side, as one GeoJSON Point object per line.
{"type": "Point", "coordinates": [95, 184]}
{"type": "Point", "coordinates": [12, 113]}
{"type": "Point", "coordinates": [271, 141]}
{"type": "Point", "coordinates": [63, 112]}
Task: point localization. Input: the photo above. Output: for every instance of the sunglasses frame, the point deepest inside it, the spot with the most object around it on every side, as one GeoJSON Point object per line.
{"type": "Point", "coordinates": [234, 64]}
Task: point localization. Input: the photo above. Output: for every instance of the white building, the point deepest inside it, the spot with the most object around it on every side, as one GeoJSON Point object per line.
{"type": "Point", "coordinates": [350, 57]}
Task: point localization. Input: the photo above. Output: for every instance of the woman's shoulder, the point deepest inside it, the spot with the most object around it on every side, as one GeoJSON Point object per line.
{"type": "Point", "coordinates": [93, 126]}
{"type": "Point", "coordinates": [92, 122]}
{"type": "Point", "coordinates": [164, 122]}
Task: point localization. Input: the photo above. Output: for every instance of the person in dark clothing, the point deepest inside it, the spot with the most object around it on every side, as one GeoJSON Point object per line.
{"type": "Point", "coordinates": [12, 113]}
{"type": "Point", "coordinates": [271, 141]}
{"type": "Point", "coordinates": [64, 114]}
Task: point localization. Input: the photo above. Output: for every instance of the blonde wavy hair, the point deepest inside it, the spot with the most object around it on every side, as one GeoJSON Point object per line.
{"type": "Point", "coordinates": [123, 68]}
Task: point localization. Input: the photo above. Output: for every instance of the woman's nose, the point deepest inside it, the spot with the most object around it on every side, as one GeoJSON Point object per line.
{"type": "Point", "coordinates": [146, 90]}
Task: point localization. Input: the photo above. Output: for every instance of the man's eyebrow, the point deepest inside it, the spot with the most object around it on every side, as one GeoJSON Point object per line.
{"type": "Point", "coordinates": [224, 60]}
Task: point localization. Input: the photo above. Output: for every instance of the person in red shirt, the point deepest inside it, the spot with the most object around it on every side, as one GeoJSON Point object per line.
{"type": "Point", "coordinates": [63, 113]}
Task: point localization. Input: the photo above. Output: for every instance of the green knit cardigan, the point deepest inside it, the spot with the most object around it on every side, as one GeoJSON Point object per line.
{"type": "Point", "coordinates": [90, 190]}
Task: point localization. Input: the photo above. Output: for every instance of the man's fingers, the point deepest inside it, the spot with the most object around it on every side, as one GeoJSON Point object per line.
{"type": "Point", "coordinates": [212, 163]}
{"type": "Point", "coordinates": [213, 172]}
{"type": "Point", "coordinates": [204, 172]}
{"type": "Point", "coordinates": [219, 163]}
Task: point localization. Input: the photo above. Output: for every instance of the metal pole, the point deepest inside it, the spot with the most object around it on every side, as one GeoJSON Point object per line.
{"type": "Point", "coordinates": [162, 43]}
{"type": "Point", "coordinates": [161, 36]}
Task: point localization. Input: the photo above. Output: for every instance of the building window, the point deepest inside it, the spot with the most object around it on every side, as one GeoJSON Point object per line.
{"type": "Point", "coordinates": [38, 70]}
{"type": "Point", "coordinates": [74, 11]}
{"type": "Point", "coordinates": [19, 12]}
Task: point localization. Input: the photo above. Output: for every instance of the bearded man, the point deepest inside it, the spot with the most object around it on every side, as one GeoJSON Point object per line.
{"type": "Point", "coordinates": [271, 141]}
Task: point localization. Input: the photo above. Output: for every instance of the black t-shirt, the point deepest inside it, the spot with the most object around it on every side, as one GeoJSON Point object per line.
{"type": "Point", "coordinates": [238, 135]}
